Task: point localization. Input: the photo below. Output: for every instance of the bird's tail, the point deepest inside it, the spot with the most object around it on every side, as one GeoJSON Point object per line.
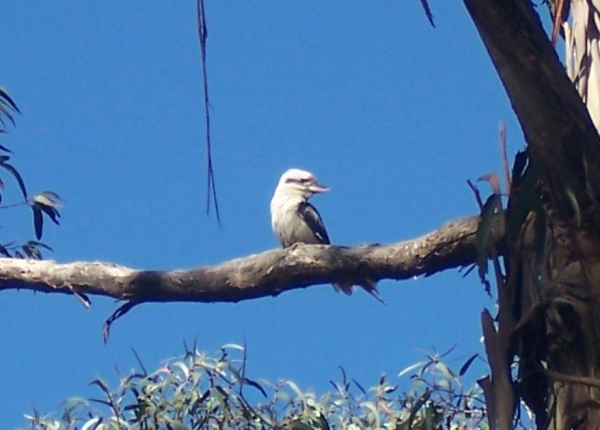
{"type": "Point", "coordinates": [345, 288]}
{"type": "Point", "coordinates": [369, 287]}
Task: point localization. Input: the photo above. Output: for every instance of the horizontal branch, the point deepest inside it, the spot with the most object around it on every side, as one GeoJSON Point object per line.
{"type": "Point", "coordinates": [267, 274]}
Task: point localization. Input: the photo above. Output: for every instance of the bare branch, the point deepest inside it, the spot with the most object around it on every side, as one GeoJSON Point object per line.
{"type": "Point", "coordinates": [267, 274]}
{"type": "Point", "coordinates": [210, 172]}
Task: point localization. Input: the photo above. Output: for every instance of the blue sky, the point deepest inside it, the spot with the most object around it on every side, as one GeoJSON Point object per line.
{"type": "Point", "coordinates": [393, 115]}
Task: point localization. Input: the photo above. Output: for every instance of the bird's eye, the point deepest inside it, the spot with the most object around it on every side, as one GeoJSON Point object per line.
{"type": "Point", "coordinates": [298, 181]}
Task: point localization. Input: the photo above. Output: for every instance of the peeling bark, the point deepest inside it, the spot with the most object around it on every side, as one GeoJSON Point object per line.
{"type": "Point", "coordinates": [556, 123]}
{"type": "Point", "coordinates": [553, 246]}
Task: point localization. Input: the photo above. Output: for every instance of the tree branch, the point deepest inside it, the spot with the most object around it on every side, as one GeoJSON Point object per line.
{"type": "Point", "coordinates": [267, 274]}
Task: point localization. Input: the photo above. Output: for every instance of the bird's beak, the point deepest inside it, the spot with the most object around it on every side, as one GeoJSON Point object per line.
{"type": "Point", "coordinates": [316, 188]}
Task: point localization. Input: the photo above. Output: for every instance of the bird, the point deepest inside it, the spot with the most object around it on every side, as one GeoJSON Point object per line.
{"type": "Point", "coordinates": [294, 219]}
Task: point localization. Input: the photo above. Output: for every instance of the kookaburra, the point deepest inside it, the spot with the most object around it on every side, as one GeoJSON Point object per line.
{"type": "Point", "coordinates": [293, 218]}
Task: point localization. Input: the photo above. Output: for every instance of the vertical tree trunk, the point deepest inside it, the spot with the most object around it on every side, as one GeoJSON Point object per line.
{"type": "Point", "coordinates": [553, 226]}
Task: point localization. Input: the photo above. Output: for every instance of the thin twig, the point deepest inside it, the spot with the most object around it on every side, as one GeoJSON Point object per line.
{"type": "Point", "coordinates": [121, 310]}
{"type": "Point", "coordinates": [505, 157]}
{"type": "Point", "coordinates": [202, 36]}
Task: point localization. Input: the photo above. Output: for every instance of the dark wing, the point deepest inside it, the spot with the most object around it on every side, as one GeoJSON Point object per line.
{"type": "Point", "coordinates": [311, 217]}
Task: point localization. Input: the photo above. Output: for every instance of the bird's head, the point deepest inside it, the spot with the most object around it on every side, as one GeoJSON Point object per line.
{"type": "Point", "coordinates": [299, 182]}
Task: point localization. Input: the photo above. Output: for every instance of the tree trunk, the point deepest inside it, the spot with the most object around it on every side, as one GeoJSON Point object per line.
{"type": "Point", "coordinates": [552, 264]}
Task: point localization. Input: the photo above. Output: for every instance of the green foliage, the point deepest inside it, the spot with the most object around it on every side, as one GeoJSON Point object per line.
{"type": "Point", "coordinates": [7, 108]}
{"type": "Point", "coordinates": [484, 236]}
{"type": "Point", "coordinates": [45, 203]}
{"type": "Point", "coordinates": [198, 391]}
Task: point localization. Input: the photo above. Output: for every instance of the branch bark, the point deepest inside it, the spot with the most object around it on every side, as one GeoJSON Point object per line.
{"type": "Point", "coordinates": [267, 274]}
